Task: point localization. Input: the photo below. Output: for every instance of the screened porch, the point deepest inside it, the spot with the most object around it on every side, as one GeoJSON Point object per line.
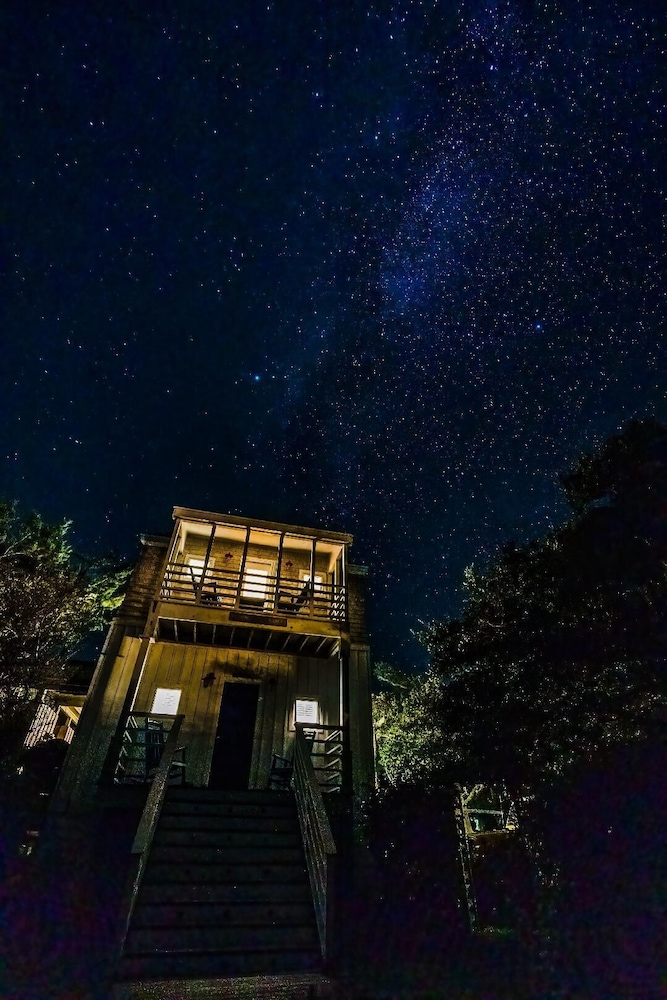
{"type": "Point", "coordinates": [260, 568]}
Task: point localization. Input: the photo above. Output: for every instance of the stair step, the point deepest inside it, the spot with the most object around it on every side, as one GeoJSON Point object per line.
{"type": "Point", "coordinates": [226, 855]}
{"type": "Point", "coordinates": [225, 892]}
{"type": "Point", "coordinates": [258, 839]}
{"type": "Point", "coordinates": [222, 808]}
{"type": "Point", "coordinates": [189, 940]}
{"type": "Point", "coordinates": [285, 821]}
{"type": "Point", "coordinates": [208, 966]}
{"type": "Point", "coordinates": [256, 872]}
{"type": "Point", "coordinates": [231, 914]}
{"type": "Point", "coordinates": [252, 795]}
{"type": "Point", "coordinates": [284, 986]}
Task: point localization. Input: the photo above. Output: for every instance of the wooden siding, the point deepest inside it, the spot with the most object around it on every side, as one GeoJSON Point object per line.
{"type": "Point", "coordinates": [99, 719]}
{"type": "Point", "coordinates": [281, 678]}
{"type": "Point", "coordinates": [357, 577]}
{"type": "Point", "coordinates": [361, 726]}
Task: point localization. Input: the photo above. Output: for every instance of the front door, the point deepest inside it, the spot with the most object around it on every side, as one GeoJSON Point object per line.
{"type": "Point", "coordinates": [232, 752]}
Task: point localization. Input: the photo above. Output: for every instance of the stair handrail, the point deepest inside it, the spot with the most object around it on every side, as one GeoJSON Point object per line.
{"type": "Point", "coordinates": [143, 838]}
{"type": "Point", "coordinates": [318, 841]}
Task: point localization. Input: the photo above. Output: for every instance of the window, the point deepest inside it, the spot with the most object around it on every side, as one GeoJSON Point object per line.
{"type": "Point", "coordinates": [307, 710]}
{"type": "Point", "coordinates": [255, 584]}
{"type": "Point", "coordinates": [317, 580]}
{"type": "Point", "coordinates": [166, 701]}
{"type": "Point", "coordinates": [196, 566]}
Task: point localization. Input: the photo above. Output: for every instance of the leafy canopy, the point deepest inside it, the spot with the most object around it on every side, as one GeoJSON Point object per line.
{"type": "Point", "coordinates": [562, 646]}
{"type": "Point", "coordinates": [50, 600]}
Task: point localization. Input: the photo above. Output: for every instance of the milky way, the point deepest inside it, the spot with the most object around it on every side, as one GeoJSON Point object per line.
{"type": "Point", "coordinates": [510, 303]}
{"type": "Point", "coordinates": [387, 266]}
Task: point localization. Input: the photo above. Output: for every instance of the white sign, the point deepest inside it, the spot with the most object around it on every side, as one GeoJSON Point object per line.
{"type": "Point", "coordinates": [306, 710]}
{"type": "Point", "coordinates": [166, 701]}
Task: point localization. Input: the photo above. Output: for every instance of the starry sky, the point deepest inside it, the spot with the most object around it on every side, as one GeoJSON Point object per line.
{"type": "Point", "coordinates": [384, 266]}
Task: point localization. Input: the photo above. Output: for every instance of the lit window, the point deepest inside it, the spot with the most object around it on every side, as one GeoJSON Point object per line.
{"type": "Point", "coordinates": [256, 580]}
{"type": "Point", "coordinates": [317, 580]}
{"type": "Point", "coordinates": [166, 701]}
{"type": "Point", "coordinates": [196, 567]}
{"type": "Point", "coordinates": [307, 710]}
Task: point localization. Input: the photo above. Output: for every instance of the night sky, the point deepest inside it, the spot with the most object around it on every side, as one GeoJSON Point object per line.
{"type": "Point", "coordinates": [383, 267]}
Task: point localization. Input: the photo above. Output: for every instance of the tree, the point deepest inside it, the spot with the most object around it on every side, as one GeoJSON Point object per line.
{"type": "Point", "coordinates": [553, 681]}
{"type": "Point", "coordinates": [50, 600]}
{"type": "Point", "coordinates": [561, 649]}
{"type": "Point", "coordinates": [408, 736]}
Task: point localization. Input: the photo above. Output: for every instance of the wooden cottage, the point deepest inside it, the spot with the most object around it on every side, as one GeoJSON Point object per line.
{"type": "Point", "coordinates": [233, 687]}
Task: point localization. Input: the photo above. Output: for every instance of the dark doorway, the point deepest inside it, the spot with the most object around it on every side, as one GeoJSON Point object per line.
{"type": "Point", "coordinates": [232, 752]}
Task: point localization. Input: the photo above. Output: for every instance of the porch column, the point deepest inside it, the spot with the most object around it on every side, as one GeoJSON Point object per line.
{"type": "Point", "coordinates": [242, 567]}
{"type": "Point", "coordinates": [279, 568]}
{"type": "Point", "coordinates": [207, 557]}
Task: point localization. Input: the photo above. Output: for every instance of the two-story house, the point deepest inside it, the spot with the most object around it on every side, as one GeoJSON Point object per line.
{"type": "Point", "coordinates": [232, 697]}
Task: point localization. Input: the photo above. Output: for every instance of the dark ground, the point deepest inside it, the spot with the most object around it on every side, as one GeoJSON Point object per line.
{"type": "Point", "coordinates": [404, 931]}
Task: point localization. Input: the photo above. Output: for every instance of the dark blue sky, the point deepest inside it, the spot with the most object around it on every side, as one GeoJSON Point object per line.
{"type": "Point", "coordinates": [385, 266]}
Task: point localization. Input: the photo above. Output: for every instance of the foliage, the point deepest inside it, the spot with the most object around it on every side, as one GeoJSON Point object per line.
{"type": "Point", "coordinates": [407, 732]}
{"type": "Point", "coordinates": [50, 600]}
{"type": "Point", "coordinates": [561, 649]}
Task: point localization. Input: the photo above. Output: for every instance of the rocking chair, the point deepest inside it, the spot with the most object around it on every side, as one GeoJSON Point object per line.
{"type": "Point", "coordinates": [292, 603]}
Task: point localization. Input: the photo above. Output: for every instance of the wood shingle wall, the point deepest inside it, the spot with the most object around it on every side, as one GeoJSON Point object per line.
{"type": "Point", "coordinates": [361, 727]}
{"type": "Point", "coordinates": [144, 584]}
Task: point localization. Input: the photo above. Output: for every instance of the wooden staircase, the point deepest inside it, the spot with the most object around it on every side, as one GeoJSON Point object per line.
{"type": "Point", "coordinates": [225, 892]}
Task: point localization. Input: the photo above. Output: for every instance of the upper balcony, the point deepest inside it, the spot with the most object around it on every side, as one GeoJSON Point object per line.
{"type": "Point", "coordinates": [254, 590]}
{"type": "Point", "coordinates": [228, 577]}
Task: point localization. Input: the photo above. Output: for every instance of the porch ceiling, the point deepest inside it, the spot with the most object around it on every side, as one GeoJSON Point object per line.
{"type": "Point", "coordinates": [245, 636]}
{"type": "Point", "coordinates": [191, 514]}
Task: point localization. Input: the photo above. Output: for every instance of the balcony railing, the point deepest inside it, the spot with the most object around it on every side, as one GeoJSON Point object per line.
{"type": "Point", "coordinates": [227, 589]}
{"type": "Point", "coordinates": [318, 842]}
{"type": "Point", "coordinates": [145, 834]}
{"type": "Point", "coordinates": [326, 754]}
{"type": "Point", "coordinates": [142, 746]}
